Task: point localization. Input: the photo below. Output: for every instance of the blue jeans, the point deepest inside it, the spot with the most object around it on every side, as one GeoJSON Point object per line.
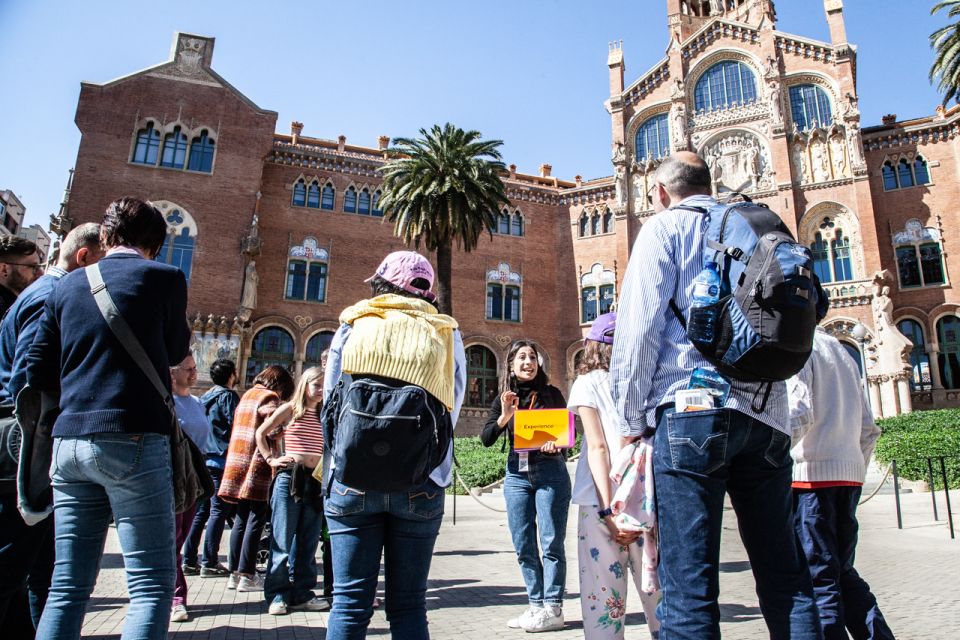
{"type": "Point", "coordinates": [26, 563]}
{"type": "Point", "coordinates": [826, 525]}
{"type": "Point", "coordinates": [128, 475]}
{"type": "Point", "coordinates": [403, 526]}
{"type": "Point", "coordinates": [295, 531]}
{"type": "Point", "coordinates": [698, 457]}
{"type": "Point", "coordinates": [538, 501]}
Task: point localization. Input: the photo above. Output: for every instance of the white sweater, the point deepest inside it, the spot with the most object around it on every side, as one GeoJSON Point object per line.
{"type": "Point", "coordinates": [834, 432]}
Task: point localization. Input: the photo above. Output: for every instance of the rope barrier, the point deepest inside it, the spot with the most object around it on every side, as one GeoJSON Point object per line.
{"type": "Point", "coordinates": [879, 486]}
{"type": "Point", "coordinates": [470, 493]}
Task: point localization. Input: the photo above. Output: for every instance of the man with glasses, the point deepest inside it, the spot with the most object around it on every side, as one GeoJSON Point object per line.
{"type": "Point", "coordinates": [19, 266]}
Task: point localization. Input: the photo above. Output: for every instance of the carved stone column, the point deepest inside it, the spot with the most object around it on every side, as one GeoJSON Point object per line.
{"type": "Point", "coordinates": [933, 352]}
{"type": "Point", "coordinates": [875, 403]}
{"type": "Point", "coordinates": [903, 391]}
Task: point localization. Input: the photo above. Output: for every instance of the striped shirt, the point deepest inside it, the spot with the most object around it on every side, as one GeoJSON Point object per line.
{"type": "Point", "coordinates": [652, 356]}
{"type": "Point", "coordinates": [304, 436]}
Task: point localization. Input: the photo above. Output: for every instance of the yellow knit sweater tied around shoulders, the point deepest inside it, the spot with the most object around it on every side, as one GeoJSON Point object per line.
{"type": "Point", "coordinates": [404, 338]}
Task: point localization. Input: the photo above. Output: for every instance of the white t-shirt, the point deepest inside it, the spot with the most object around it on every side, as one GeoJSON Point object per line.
{"type": "Point", "coordinates": [593, 390]}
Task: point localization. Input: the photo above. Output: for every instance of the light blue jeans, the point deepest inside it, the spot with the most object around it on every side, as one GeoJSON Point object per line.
{"type": "Point", "coordinates": [538, 501]}
{"type": "Point", "coordinates": [128, 475]}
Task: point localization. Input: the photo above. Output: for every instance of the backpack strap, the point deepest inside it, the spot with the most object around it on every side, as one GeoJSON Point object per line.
{"type": "Point", "coordinates": [676, 312]}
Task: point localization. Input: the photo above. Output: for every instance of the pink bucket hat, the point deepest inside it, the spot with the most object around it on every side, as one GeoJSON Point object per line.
{"type": "Point", "coordinates": [401, 268]}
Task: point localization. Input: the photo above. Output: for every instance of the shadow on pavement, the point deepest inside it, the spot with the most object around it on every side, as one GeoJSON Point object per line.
{"type": "Point", "coordinates": [738, 613]}
{"type": "Point", "coordinates": [473, 552]}
{"type": "Point", "coordinates": [735, 567]}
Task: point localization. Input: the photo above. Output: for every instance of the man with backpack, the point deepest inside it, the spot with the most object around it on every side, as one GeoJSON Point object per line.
{"type": "Point", "coordinates": [394, 385]}
{"type": "Point", "coordinates": [730, 433]}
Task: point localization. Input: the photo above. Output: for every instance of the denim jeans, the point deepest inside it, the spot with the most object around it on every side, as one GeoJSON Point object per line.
{"type": "Point", "coordinates": [538, 501]}
{"type": "Point", "coordinates": [26, 564]}
{"type": "Point", "coordinates": [191, 546]}
{"type": "Point", "coordinates": [295, 534]}
{"type": "Point", "coordinates": [128, 475]}
{"type": "Point", "coordinates": [220, 512]}
{"type": "Point", "coordinates": [248, 524]}
{"type": "Point", "coordinates": [826, 525]}
{"type": "Point", "coordinates": [698, 457]}
{"type": "Point", "coordinates": [403, 526]}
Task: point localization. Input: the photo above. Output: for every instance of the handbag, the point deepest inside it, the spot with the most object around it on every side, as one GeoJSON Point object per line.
{"type": "Point", "coordinates": [192, 482]}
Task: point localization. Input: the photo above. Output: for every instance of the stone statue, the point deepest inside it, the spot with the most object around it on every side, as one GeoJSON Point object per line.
{"type": "Point", "coordinates": [838, 153]}
{"type": "Point", "coordinates": [620, 184]}
{"type": "Point", "coordinates": [619, 154]}
{"type": "Point", "coordinates": [894, 347]}
{"type": "Point", "coordinates": [716, 7]}
{"type": "Point", "coordinates": [799, 157]}
{"type": "Point", "coordinates": [679, 126]}
{"type": "Point", "coordinates": [677, 92]}
{"type": "Point", "coordinates": [855, 145]}
{"type": "Point", "coordinates": [639, 196]}
{"type": "Point", "coordinates": [819, 161]}
{"type": "Point", "coordinates": [776, 102]}
{"type": "Point", "coordinates": [248, 301]}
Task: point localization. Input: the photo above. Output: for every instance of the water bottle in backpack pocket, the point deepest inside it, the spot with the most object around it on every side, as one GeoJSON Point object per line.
{"type": "Point", "coordinates": [384, 434]}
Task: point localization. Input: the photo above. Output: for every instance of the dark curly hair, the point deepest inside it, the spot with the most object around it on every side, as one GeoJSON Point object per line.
{"type": "Point", "coordinates": [539, 381]}
{"type": "Point", "coordinates": [130, 222]}
{"type": "Point", "coordinates": [277, 379]}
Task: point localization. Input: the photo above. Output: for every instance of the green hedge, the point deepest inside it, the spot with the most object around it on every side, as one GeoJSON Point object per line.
{"type": "Point", "coordinates": [480, 465]}
{"type": "Point", "coordinates": [913, 437]}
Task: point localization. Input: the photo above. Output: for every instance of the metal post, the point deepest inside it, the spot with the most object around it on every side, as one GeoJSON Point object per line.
{"type": "Point", "coordinates": [946, 492]}
{"type": "Point", "coordinates": [863, 372]}
{"type": "Point", "coordinates": [933, 489]}
{"type": "Point", "coordinates": [896, 493]}
{"type": "Point", "coordinates": [453, 477]}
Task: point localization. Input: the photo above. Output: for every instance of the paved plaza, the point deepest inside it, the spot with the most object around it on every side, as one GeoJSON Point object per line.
{"type": "Point", "coordinates": [475, 584]}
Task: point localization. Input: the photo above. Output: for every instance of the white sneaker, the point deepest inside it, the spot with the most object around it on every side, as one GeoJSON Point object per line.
{"type": "Point", "coordinates": [277, 608]}
{"type": "Point", "coordinates": [525, 618]}
{"type": "Point", "coordinates": [179, 613]}
{"type": "Point", "coordinates": [315, 604]}
{"type": "Point", "coordinates": [250, 583]}
{"type": "Point", "coordinates": [232, 580]}
{"type": "Point", "coordinates": [548, 619]}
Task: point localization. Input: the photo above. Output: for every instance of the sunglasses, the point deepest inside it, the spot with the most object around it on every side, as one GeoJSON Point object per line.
{"type": "Point", "coordinates": [36, 267]}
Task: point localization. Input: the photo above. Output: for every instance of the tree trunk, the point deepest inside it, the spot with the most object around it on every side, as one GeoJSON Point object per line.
{"type": "Point", "coordinates": [444, 275]}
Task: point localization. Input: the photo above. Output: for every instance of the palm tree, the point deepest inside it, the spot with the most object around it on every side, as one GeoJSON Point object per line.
{"type": "Point", "coordinates": [443, 189]}
{"type": "Point", "coordinates": [946, 45]}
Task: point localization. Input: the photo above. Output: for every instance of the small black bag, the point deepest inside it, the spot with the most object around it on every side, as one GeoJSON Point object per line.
{"type": "Point", "coordinates": [383, 434]}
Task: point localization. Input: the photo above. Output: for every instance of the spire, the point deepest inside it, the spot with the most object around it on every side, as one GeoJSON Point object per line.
{"type": "Point", "coordinates": [838, 30]}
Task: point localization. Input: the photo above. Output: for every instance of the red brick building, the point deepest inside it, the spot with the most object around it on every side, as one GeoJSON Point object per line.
{"type": "Point", "coordinates": [277, 232]}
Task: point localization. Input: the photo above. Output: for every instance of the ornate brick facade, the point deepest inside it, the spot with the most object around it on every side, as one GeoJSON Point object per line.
{"type": "Point", "coordinates": [263, 223]}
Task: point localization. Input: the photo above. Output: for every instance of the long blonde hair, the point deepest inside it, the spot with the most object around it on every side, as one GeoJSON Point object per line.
{"type": "Point", "coordinates": [300, 395]}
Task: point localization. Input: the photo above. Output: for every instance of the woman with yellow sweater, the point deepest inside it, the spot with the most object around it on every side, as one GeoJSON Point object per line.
{"type": "Point", "coordinates": [398, 333]}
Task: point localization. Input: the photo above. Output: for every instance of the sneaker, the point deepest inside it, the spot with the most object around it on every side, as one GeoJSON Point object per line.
{"type": "Point", "coordinates": [547, 619]}
{"type": "Point", "coordinates": [179, 613]}
{"type": "Point", "coordinates": [525, 618]}
{"type": "Point", "coordinates": [190, 569]}
{"type": "Point", "coordinates": [218, 571]}
{"type": "Point", "coordinates": [233, 580]}
{"type": "Point", "coordinates": [316, 604]}
{"type": "Point", "coordinates": [278, 608]}
{"type": "Point", "coordinates": [250, 583]}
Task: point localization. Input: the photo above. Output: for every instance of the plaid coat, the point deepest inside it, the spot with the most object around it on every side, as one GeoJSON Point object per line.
{"type": "Point", "coordinates": [247, 475]}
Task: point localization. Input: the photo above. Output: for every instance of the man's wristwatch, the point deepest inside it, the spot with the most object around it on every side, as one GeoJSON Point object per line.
{"type": "Point", "coordinates": [603, 513]}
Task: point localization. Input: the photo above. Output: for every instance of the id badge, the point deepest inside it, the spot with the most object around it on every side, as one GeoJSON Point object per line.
{"type": "Point", "coordinates": [524, 461]}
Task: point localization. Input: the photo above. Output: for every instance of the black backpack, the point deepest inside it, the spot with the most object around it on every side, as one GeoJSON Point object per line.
{"type": "Point", "coordinates": [383, 434]}
{"type": "Point", "coordinates": [770, 299]}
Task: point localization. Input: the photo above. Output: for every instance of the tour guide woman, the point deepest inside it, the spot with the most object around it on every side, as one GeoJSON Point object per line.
{"type": "Point", "coordinates": [536, 488]}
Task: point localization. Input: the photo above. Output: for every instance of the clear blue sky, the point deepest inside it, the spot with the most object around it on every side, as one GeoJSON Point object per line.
{"type": "Point", "coordinates": [532, 73]}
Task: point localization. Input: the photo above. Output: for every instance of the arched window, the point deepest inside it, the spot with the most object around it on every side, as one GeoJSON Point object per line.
{"type": "Point", "coordinates": [724, 85]}
{"type": "Point", "coordinates": [595, 224]}
{"type": "Point", "coordinates": [174, 149]}
{"type": "Point", "coordinates": [516, 227]}
{"type": "Point", "coordinates": [653, 138]}
{"type": "Point", "coordinates": [377, 211]}
{"type": "Point", "coordinates": [307, 272]}
{"type": "Point", "coordinates": [919, 256]}
{"type": "Point", "coordinates": [597, 293]}
{"type": "Point", "coordinates": [948, 332]}
{"type": "Point", "coordinates": [147, 149]}
{"type": "Point", "coordinates": [299, 193]}
{"type": "Point", "coordinates": [920, 170]}
{"type": "Point", "coordinates": [313, 195]}
{"type": "Point", "coordinates": [904, 175]}
{"type": "Point", "coordinates": [608, 221]}
{"type": "Point", "coordinates": [483, 383]}
{"type": "Point", "coordinates": [919, 358]}
{"type": "Point", "coordinates": [840, 247]}
{"type": "Point", "coordinates": [270, 346]}
{"type": "Point", "coordinates": [583, 225]}
{"type": "Point", "coordinates": [180, 241]}
{"type": "Point", "coordinates": [350, 200]}
{"type": "Point", "coordinates": [854, 353]}
{"type": "Point", "coordinates": [316, 345]}
{"type": "Point", "coordinates": [327, 197]}
{"type": "Point", "coordinates": [889, 177]}
{"type": "Point", "coordinates": [821, 259]}
{"type": "Point", "coordinates": [503, 223]}
{"type": "Point", "coordinates": [201, 153]}
{"type": "Point", "coordinates": [363, 207]}
{"type": "Point", "coordinates": [503, 294]}
{"type": "Point", "coordinates": [810, 106]}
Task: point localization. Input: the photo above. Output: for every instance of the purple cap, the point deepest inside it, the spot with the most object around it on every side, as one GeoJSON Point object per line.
{"type": "Point", "coordinates": [401, 268]}
{"type": "Point", "coordinates": [602, 328]}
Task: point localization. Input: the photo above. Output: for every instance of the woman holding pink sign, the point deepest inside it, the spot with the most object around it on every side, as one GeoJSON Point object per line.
{"type": "Point", "coordinates": [536, 488]}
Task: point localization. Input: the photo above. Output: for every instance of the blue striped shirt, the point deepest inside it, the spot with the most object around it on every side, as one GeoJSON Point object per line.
{"type": "Point", "coordinates": [652, 356]}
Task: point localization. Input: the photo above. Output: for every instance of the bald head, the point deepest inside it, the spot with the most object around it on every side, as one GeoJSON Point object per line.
{"type": "Point", "coordinates": [684, 174]}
